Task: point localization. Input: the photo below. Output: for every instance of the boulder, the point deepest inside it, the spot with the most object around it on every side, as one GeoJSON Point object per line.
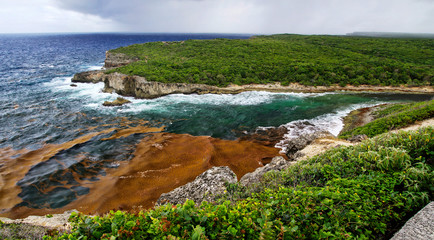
{"type": "Point", "coordinates": [277, 164]}
{"type": "Point", "coordinates": [204, 188]}
{"type": "Point", "coordinates": [267, 136]}
{"type": "Point", "coordinates": [294, 145]}
{"type": "Point", "coordinates": [89, 77]}
{"type": "Point", "coordinates": [357, 138]}
{"type": "Point", "coordinates": [118, 102]}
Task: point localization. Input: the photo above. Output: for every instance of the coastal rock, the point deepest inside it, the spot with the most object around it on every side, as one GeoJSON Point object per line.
{"type": "Point", "coordinates": [118, 102]}
{"type": "Point", "coordinates": [357, 138]}
{"type": "Point", "coordinates": [114, 60]}
{"type": "Point", "coordinates": [139, 87]}
{"type": "Point", "coordinates": [88, 77]}
{"type": "Point", "coordinates": [294, 145]}
{"type": "Point", "coordinates": [203, 188]}
{"type": "Point", "coordinates": [267, 136]}
{"type": "Point", "coordinates": [277, 164]}
{"type": "Point", "coordinates": [54, 221]}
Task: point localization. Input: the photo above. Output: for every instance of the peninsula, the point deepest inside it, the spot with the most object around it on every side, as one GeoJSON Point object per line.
{"type": "Point", "coordinates": [279, 63]}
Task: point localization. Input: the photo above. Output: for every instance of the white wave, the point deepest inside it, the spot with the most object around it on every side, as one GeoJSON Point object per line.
{"type": "Point", "coordinates": [250, 98]}
{"type": "Point", "coordinates": [96, 67]}
{"type": "Point", "coordinates": [331, 122]}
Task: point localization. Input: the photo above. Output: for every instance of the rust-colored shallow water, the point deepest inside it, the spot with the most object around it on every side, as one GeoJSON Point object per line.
{"type": "Point", "coordinates": [161, 162]}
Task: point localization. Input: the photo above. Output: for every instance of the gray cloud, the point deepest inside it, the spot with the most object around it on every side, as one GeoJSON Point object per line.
{"type": "Point", "coordinates": [250, 16]}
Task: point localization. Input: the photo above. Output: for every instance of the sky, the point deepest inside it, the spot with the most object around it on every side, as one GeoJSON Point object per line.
{"type": "Point", "coordinates": [217, 16]}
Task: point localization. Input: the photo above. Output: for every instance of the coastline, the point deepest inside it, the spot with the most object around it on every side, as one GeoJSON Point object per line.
{"type": "Point", "coordinates": [139, 87]}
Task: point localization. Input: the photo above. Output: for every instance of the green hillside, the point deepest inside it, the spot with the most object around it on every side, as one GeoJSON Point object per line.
{"type": "Point", "coordinates": [392, 117]}
{"type": "Point", "coordinates": [309, 60]}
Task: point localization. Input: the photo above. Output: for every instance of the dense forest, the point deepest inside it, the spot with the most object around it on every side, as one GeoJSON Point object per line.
{"type": "Point", "coordinates": [285, 58]}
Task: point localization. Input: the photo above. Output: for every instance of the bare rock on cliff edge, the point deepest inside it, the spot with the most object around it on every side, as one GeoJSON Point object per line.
{"type": "Point", "coordinates": [88, 77]}
{"type": "Point", "coordinates": [114, 60]}
{"type": "Point", "coordinates": [277, 164]}
{"type": "Point", "coordinates": [204, 188]}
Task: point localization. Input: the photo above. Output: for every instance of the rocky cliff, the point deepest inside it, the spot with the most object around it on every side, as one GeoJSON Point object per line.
{"type": "Point", "coordinates": [114, 60]}
{"type": "Point", "coordinates": [139, 87]}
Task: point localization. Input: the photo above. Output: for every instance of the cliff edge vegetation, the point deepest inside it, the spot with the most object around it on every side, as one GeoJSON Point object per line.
{"type": "Point", "coordinates": [364, 191]}
{"type": "Point", "coordinates": [285, 58]}
{"type": "Point", "coordinates": [389, 117]}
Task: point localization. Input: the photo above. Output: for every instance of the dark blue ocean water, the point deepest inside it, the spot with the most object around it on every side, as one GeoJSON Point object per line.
{"type": "Point", "coordinates": [39, 107]}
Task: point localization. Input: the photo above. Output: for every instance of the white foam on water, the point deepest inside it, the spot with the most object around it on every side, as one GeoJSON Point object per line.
{"type": "Point", "coordinates": [331, 122]}
{"type": "Point", "coordinates": [250, 98]}
{"type": "Point", "coordinates": [96, 67]}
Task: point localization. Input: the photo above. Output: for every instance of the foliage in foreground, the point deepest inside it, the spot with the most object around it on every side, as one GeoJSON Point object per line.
{"type": "Point", "coordinates": [394, 117]}
{"type": "Point", "coordinates": [309, 60]}
{"type": "Point", "coordinates": [348, 192]}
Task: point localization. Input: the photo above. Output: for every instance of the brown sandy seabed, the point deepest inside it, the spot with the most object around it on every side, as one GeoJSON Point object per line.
{"type": "Point", "coordinates": [162, 161]}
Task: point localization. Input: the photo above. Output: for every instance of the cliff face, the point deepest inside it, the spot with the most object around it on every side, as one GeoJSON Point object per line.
{"type": "Point", "coordinates": [114, 60]}
{"type": "Point", "coordinates": [139, 87]}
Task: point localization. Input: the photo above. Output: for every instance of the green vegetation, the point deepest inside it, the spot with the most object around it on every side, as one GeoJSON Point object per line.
{"type": "Point", "coordinates": [362, 191]}
{"type": "Point", "coordinates": [394, 117]}
{"type": "Point", "coordinates": [309, 60]}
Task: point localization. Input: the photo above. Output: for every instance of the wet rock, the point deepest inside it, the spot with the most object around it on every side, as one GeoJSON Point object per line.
{"type": "Point", "coordinates": [118, 102]}
{"type": "Point", "coordinates": [277, 164]}
{"type": "Point", "coordinates": [88, 77]}
{"type": "Point", "coordinates": [358, 138]}
{"type": "Point", "coordinates": [266, 136]}
{"type": "Point", "coordinates": [294, 145]}
{"type": "Point", "coordinates": [73, 85]}
{"type": "Point", "coordinates": [204, 188]}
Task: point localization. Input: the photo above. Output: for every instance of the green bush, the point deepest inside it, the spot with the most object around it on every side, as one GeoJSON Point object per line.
{"type": "Point", "coordinates": [394, 117]}
{"type": "Point", "coordinates": [309, 60]}
{"type": "Point", "coordinates": [362, 191]}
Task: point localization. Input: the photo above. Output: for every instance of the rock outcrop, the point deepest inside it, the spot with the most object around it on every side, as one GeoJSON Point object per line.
{"type": "Point", "coordinates": [267, 136]}
{"type": "Point", "coordinates": [118, 102]}
{"type": "Point", "coordinates": [139, 87]}
{"type": "Point", "coordinates": [204, 188]}
{"type": "Point", "coordinates": [114, 60]}
{"type": "Point", "coordinates": [296, 144]}
{"type": "Point", "coordinates": [89, 77]}
{"type": "Point", "coordinates": [277, 164]}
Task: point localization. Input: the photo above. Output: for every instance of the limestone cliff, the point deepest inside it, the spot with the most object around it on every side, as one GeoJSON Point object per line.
{"type": "Point", "coordinates": [114, 60]}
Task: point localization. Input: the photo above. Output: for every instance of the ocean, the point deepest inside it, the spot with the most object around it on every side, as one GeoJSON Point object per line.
{"type": "Point", "coordinates": [58, 142]}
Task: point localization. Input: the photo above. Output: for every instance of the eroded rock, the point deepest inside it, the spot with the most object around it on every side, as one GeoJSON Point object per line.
{"type": "Point", "coordinates": [277, 164]}
{"type": "Point", "coordinates": [204, 188]}
{"type": "Point", "coordinates": [114, 60]}
{"type": "Point", "coordinates": [88, 77]}
{"type": "Point", "coordinates": [118, 102]}
{"type": "Point", "coordinates": [294, 145]}
{"type": "Point", "coordinates": [267, 136]}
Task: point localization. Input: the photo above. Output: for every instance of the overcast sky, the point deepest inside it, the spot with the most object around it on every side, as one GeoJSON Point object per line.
{"type": "Point", "coordinates": [217, 16]}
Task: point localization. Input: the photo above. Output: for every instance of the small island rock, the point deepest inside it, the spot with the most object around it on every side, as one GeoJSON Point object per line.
{"type": "Point", "coordinates": [118, 102]}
